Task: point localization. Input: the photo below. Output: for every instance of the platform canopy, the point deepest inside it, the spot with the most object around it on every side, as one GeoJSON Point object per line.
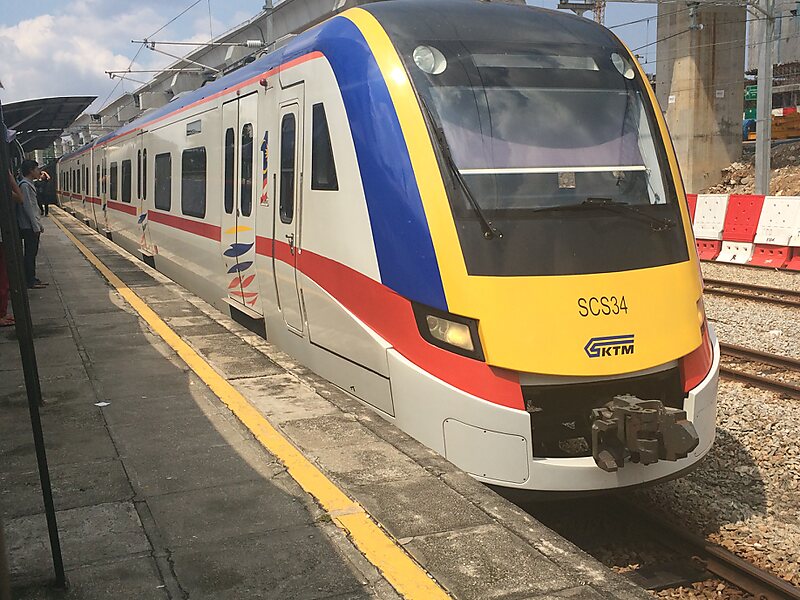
{"type": "Point", "coordinates": [39, 122]}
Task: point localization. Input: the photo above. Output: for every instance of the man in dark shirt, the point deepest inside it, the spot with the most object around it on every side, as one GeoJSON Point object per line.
{"type": "Point", "coordinates": [30, 227]}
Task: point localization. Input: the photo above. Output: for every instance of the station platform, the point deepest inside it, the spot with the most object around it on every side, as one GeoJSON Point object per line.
{"type": "Point", "coordinates": [192, 459]}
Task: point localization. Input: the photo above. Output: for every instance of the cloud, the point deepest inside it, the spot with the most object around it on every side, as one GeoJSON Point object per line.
{"type": "Point", "coordinates": [68, 52]}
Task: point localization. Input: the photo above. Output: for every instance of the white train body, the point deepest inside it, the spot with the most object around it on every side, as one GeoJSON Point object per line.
{"type": "Point", "coordinates": [219, 190]}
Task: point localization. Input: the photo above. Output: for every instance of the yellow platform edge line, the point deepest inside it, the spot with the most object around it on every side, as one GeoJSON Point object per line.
{"type": "Point", "coordinates": [402, 572]}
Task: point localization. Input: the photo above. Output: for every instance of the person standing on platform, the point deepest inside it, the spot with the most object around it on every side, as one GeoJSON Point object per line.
{"type": "Point", "coordinates": [7, 320]}
{"type": "Point", "coordinates": [30, 227]}
{"type": "Point", "coordinates": [43, 193]}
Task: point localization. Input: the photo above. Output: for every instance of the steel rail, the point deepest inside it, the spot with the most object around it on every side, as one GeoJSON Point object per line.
{"type": "Point", "coordinates": [781, 362]}
{"type": "Point", "coordinates": [760, 293]}
{"type": "Point", "coordinates": [720, 562]}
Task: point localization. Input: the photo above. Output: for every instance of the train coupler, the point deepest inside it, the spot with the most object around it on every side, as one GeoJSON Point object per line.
{"type": "Point", "coordinates": [643, 431]}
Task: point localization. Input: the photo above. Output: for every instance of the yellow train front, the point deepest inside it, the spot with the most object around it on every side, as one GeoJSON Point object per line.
{"type": "Point", "coordinates": [577, 353]}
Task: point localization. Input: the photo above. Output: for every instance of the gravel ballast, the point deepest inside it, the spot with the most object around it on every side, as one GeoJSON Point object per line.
{"type": "Point", "coordinates": [745, 496]}
{"type": "Point", "coordinates": [750, 323]}
{"type": "Point", "coordinates": [787, 280]}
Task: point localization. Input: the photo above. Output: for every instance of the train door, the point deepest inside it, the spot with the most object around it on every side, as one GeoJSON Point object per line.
{"type": "Point", "coordinates": [288, 205]}
{"type": "Point", "coordinates": [146, 246]}
{"type": "Point", "coordinates": [240, 187]}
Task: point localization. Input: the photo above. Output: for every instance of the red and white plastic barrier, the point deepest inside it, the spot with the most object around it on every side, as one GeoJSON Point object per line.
{"type": "Point", "coordinates": [756, 230]}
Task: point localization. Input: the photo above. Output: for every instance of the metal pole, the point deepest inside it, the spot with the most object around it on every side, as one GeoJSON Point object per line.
{"type": "Point", "coordinates": [24, 329]}
{"type": "Point", "coordinates": [5, 571]}
{"type": "Point", "coordinates": [764, 99]}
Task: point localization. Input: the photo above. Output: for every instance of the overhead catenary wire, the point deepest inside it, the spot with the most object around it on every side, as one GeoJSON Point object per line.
{"type": "Point", "coordinates": [720, 23]}
{"type": "Point", "coordinates": [139, 50]}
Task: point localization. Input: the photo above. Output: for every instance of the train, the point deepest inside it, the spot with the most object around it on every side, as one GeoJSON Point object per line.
{"type": "Point", "coordinates": [467, 215]}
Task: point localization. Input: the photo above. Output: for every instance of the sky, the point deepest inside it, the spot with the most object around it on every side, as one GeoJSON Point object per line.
{"type": "Point", "coordinates": [64, 47]}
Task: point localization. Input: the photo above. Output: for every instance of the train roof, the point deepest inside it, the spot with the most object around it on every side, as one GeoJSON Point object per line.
{"type": "Point", "coordinates": [446, 19]}
{"type": "Point", "coordinates": [480, 20]}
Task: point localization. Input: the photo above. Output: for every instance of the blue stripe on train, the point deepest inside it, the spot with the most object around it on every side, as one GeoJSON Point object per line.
{"type": "Point", "coordinates": [403, 244]}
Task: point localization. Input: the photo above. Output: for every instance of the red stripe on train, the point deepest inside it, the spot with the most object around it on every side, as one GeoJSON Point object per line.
{"type": "Point", "coordinates": [121, 207]}
{"type": "Point", "coordinates": [206, 230]}
{"type": "Point", "coordinates": [392, 317]}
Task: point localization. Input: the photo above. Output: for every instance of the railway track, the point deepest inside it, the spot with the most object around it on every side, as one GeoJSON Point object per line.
{"type": "Point", "coordinates": [715, 559]}
{"type": "Point", "coordinates": [760, 369]}
{"type": "Point", "coordinates": [625, 533]}
{"type": "Point", "coordinates": [759, 293]}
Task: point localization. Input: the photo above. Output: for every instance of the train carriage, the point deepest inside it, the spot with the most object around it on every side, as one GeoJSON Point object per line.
{"type": "Point", "coordinates": [467, 215]}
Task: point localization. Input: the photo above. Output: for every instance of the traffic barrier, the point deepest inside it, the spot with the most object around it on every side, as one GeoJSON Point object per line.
{"type": "Point", "coordinates": [709, 222]}
{"type": "Point", "coordinates": [739, 229]}
{"type": "Point", "coordinates": [741, 218]}
{"type": "Point", "coordinates": [762, 231]}
{"type": "Point", "coordinates": [735, 252]}
{"type": "Point", "coordinates": [708, 249]}
{"type": "Point", "coordinates": [691, 200]}
{"type": "Point", "coordinates": [765, 255]}
{"type": "Point", "coordinates": [794, 260]}
{"type": "Point", "coordinates": [779, 225]}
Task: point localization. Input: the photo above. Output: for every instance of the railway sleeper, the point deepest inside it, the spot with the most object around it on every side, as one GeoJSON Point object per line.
{"type": "Point", "coordinates": [643, 431]}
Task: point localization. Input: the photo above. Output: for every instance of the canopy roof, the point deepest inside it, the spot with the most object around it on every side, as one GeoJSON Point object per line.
{"type": "Point", "coordinates": [41, 121]}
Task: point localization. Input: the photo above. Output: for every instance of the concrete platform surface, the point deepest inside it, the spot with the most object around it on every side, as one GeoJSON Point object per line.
{"type": "Point", "coordinates": [163, 493]}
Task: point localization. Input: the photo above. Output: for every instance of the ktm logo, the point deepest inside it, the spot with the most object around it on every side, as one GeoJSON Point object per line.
{"type": "Point", "coordinates": [611, 345]}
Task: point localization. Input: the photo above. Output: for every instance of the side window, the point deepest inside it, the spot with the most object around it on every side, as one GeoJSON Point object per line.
{"type": "Point", "coordinates": [86, 180]}
{"type": "Point", "coordinates": [105, 178]}
{"type": "Point", "coordinates": [126, 181]}
{"type": "Point", "coordinates": [288, 129]}
{"type": "Point", "coordinates": [138, 174]}
{"type": "Point", "coordinates": [193, 182]}
{"type": "Point", "coordinates": [323, 169]}
{"type": "Point", "coordinates": [144, 174]}
{"type": "Point", "coordinates": [163, 199]}
{"type": "Point", "coordinates": [97, 182]}
{"type": "Point", "coordinates": [246, 190]}
{"type": "Point", "coordinates": [230, 157]}
{"type": "Point", "coordinates": [113, 183]}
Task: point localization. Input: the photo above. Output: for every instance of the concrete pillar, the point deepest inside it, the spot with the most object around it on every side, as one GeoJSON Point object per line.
{"type": "Point", "coordinates": [700, 86]}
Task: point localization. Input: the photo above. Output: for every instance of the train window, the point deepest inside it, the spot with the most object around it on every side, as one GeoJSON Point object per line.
{"type": "Point", "coordinates": [193, 182]}
{"type": "Point", "coordinates": [104, 179]}
{"type": "Point", "coordinates": [97, 182]}
{"type": "Point", "coordinates": [144, 174]}
{"type": "Point", "coordinates": [126, 181]}
{"type": "Point", "coordinates": [138, 174]}
{"type": "Point", "coordinates": [230, 152]}
{"type": "Point", "coordinates": [323, 168]}
{"type": "Point", "coordinates": [163, 199]}
{"type": "Point", "coordinates": [114, 176]}
{"type": "Point", "coordinates": [246, 189]}
{"type": "Point", "coordinates": [288, 129]}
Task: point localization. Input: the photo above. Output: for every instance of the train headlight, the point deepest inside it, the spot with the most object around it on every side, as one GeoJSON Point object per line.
{"type": "Point", "coordinates": [450, 332]}
{"type": "Point", "coordinates": [429, 59]}
{"type": "Point", "coordinates": [456, 334]}
{"type": "Point", "coordinates": [623, 66]}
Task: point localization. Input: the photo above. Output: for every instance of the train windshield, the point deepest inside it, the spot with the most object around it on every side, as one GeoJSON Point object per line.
{"type": "Point", "coordinates": [557, 147]}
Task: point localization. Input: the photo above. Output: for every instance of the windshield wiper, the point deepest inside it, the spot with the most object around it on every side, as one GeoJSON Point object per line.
{"type": "Point", "coordinates": [489, 230]}
{"type": "Point", "coordinates": [657, 223]}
